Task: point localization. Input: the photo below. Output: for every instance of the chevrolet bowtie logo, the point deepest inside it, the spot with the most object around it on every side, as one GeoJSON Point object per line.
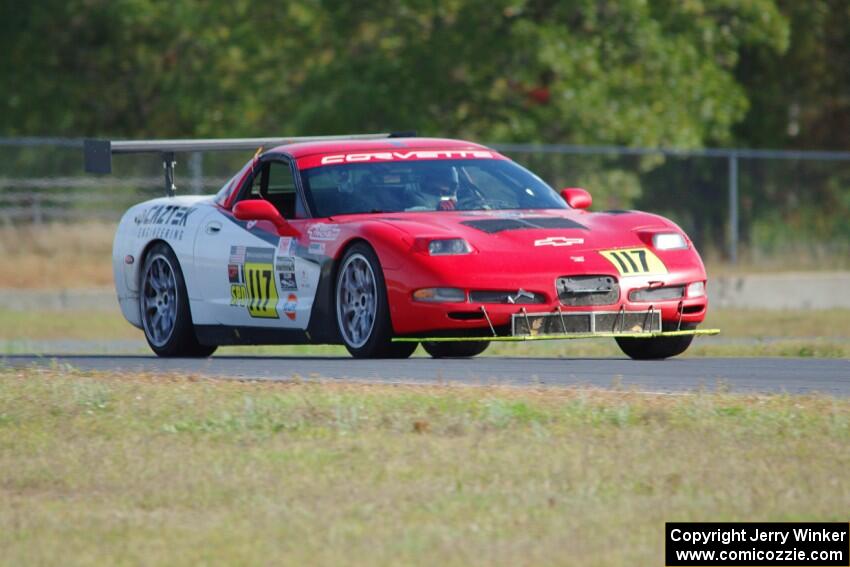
{"type": "Point", "coordinates": [558, 241]}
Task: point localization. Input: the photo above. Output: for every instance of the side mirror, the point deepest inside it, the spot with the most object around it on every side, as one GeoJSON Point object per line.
{"type": "Point", "coordinates": [257, 210]}
{"type": "Point", "coordinates": [577, 198]}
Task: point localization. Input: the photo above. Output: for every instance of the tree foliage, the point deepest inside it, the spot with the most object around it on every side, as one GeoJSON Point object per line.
{"type": "Point", "coordinates": [638, 72]}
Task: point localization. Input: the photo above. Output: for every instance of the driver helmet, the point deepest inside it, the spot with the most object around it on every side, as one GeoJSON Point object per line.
{"type": "Point", "coordinates": [440, 181]}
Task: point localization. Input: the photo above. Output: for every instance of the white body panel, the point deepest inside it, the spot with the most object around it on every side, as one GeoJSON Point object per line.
{"type": "Point", "coordinates": [252, 277]}
{"type": "Point", "coordinates": [174, 220]}
{"type": "Point", "coordinates": [235, 274]}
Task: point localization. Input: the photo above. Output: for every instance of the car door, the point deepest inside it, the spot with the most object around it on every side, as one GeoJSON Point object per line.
{"type": "Point", "coordinates": [250, 276]}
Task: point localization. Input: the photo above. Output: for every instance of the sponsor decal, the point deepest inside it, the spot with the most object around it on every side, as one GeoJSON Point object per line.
{"type": "Point", "coordinates": [288, 281]}
{"type": "Point", "coordinates": [317, 248]}
{"type": "Point", "coordinates": [237, 255]}
{"type": "Point", "coordinates": [258, 292]}
{"type": "Point", "coordinates": [305, 281]}
{"type": "Point", "coordinates": [284, 264]}
{"type": "Point", "coordinates": [577, 258]}
{"type": "Point", "coordinates": [402, 156]}
{"type": "Point", "coordinates": [634, 261]}
{"type": "Point", "coordinates": [286, 246]}
{"type": "Point", "coordinates": [558, 241]}
{"type": "Point", "coordinates": [234, 273]}
{"type": "Point", "coordinates": [327, 232]}
{"type": "Point", "coordinates": [290, 306]}
{"type": "Point", "coordinates": [251, 224]}
{"type": "Point", "coordinates": [174, 215]}
{"type": "Point", "coordinates": [163, 221]}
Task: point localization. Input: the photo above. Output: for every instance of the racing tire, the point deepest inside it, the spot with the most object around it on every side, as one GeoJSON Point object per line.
{"type": "Point", "coordinates": [362, 309]}
{"type": "Point", "coordinates": [459, 349]}
{"type": "Point", "coordinates": [657, 348]}
{"type": "Point", "coordinates": [164, 307]}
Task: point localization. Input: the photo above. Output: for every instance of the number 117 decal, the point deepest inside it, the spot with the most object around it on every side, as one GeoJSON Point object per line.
{"type": "Point", "coordinates": [635, 261]}
{"type": "Point", "coordinates": [252, 282]}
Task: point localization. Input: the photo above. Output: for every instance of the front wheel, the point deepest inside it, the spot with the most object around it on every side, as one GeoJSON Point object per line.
{"type": "Point", "coordinates": [164, 306]}
{"type": "Point", "coordinates": [458, 349]}
{"type": "Point", "coordinates": [656, 348]}
{"type": "Point", "coordinates": [362, 309]}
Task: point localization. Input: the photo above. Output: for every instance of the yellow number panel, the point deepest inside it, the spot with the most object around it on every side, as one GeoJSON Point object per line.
{"type": "Point", "coordinates": [262, 291]}
{"type": "Point", "coordinates": [635, 261]}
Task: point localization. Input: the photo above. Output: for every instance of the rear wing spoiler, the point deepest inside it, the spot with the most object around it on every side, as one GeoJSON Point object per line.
{"type": "Point", "coordinates": [98, 153]}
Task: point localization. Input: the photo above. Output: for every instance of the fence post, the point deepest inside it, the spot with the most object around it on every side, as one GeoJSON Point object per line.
{"type": "Point", "coordinates": [196, 167]}
{"type": "Point", "coordinates": [37, 215]}
{"type": "Point", "coordinates": [733, 208]}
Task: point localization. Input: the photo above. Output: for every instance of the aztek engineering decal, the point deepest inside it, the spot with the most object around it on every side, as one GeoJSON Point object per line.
{"type": "Point", "coordinates": [163, 221]}
{"type": "Point", "coordinates": [252, 280]}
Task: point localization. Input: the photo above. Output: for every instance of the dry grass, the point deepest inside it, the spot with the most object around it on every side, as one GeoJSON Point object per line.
{"type": "Point", "coordinates": [132, 469]}
{"type": "Point", "coordinates": [73, 325]}
{"type": "Point", "coordinates": [57, 256]}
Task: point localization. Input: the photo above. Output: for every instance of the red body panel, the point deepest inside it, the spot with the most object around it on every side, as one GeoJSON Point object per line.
{"type": "Point", "coordinates": [511, 261]}
{"type": "Point", "coordinates": [502, 260]}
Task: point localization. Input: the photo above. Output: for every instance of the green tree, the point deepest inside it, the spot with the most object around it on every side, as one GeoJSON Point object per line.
{"type": "Point", "coordinates": [800, 99]}
{"type": "Point", "coordinates": [638, 72]}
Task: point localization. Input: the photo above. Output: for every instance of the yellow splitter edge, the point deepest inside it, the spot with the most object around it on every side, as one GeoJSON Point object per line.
{"type": "Point", "coordinates": [520, 338]}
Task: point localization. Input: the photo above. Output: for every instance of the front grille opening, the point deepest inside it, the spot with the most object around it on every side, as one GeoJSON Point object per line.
{"type": "Point", "coordinates": [628, 321]}
{"type": "Point", "coordinates": [692, 309]}
{"type": "Point", "coordinates": [578, 291]}
{"type": "Point", "coordinates": [517, 297]}
{"type": "Point", "coordinates": [658, 293]}
{"type": "Point", "coordinates": [466, 315]}
{"type": "Point", "coordinates": [586, 322]}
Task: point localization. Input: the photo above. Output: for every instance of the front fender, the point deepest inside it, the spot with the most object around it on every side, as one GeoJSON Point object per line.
{"type": "Point", "coordinates": [391, 244]}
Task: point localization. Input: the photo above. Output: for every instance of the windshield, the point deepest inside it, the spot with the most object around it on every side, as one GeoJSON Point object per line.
{"type": "Point", "coordinates": [439, 185]}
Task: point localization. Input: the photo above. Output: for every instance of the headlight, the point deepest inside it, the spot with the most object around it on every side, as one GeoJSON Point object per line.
{"type": "Point", "coordinates": [668, 241]}
{"type": "Point", "coordinates": [696, 289]}
{"type": "Point", "coordinates": [440, 294]}
{"type": "Point", "coordinates": [449, 247]}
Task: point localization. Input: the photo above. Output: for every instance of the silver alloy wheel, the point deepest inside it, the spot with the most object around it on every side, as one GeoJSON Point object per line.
{"type": "Point", "coordinates": [356, 300]}
{"type": "Point", "coordinates": [159, 300]}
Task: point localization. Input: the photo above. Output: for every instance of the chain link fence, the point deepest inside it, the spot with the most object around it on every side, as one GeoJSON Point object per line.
{"type": "Point", "coordinates": [766, 208]}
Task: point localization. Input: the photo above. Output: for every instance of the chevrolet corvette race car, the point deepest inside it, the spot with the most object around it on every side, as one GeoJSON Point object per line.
{"type": "Point", "coordinates": [380, 242]}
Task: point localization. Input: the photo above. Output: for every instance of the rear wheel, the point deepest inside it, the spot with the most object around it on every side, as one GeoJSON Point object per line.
{"type": "Point", "coordinates": [459, 349]}
{"type": "Point", "coordinates": [164, 306]}
{"type": "Point", "coordinates": [658, 347]}
{"type": "Point", "coordinates": [362, 309]}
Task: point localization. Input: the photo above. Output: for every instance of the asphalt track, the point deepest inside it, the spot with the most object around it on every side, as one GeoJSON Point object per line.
{"type": "Point", "coordinates": [745, 375]}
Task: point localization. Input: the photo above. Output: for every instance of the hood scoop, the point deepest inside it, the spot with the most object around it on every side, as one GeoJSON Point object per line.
{"type": "Point", "coordinates": [492, 226]}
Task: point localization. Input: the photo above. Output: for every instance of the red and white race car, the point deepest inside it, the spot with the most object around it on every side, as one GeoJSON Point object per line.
{"type": "Point", "coordinates": [381, 242]}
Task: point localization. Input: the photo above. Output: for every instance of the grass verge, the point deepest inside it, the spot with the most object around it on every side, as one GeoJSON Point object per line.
{"type": "Point", "coordinates": [103, 468]}
{"type": "Point", "coordinates": [57, 255]}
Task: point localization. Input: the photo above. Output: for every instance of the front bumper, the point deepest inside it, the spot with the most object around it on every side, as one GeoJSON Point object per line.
{"type": "Point", "coordinates": [467, 318]}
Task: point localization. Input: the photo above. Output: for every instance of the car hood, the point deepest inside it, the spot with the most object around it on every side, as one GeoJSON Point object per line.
{"type": "Point", "coordinates": [539, 232]}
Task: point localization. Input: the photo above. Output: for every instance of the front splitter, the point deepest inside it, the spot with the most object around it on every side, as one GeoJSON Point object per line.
{"type": "Point", "coordinates": [560, 337]}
